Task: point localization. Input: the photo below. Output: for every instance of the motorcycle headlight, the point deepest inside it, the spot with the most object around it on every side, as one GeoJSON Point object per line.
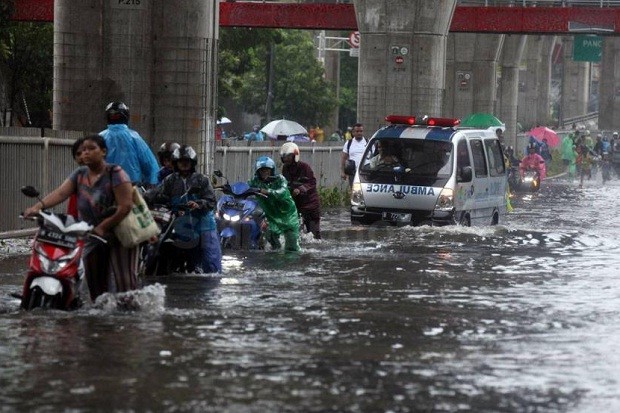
{"type": "Point", "coordinates": [231, 218]}
{"type": "Point", "coordinates": [445, 202]}
{"type": "Point", "coordinates": [54, 266]}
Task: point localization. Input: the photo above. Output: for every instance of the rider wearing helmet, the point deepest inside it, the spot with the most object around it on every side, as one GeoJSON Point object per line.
{"type": "Point", "coordinates": [302, 185]}
{"type": "Point", "coordinates": [175, 186]}
{"type": "Point", "coordinates": [127, 148]}
{"type": "Point", "coordinates": [278, 205]}
{"type": "Point", "coordinates": [164, 154]}
{"type": "Point", "coordinates": [533, 161]}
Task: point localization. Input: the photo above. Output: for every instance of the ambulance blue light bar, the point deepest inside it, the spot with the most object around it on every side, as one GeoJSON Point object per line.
{"type": "Point", "coordinates": [424, 121]}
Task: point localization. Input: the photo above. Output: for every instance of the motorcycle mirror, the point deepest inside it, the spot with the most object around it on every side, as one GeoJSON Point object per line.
{"type": "Point", "coordinates": [30, 191]}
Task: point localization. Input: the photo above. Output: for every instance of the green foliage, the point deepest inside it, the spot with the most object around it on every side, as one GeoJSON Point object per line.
{"type": "Point", "coordinates": [6, 11]}
{"type": "Point", "coordinates": [237, 55]}
{"type": "Point", "coordinates": [29, 60]}
{"type": "Point", "coordinates": [300, 91]}
{"type": "Point", "coordinates": [334, 196]}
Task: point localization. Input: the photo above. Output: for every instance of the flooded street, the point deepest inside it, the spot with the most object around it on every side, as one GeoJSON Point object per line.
{"type": "Point", "coordinates": [524, 316]}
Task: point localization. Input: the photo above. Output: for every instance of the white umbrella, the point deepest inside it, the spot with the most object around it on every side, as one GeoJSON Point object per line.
{"type": "Point", "coordinates": [283, 127]}
{"type": "Point", "coordinates": [223, 121]}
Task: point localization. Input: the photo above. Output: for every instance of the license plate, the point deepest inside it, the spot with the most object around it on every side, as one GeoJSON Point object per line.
{"type": "Point", "coordinates": [161, 216]}
{"type": "Point", "coordinates": [57, 238]}
{"type": "Point", "coordinates": [396, 217]}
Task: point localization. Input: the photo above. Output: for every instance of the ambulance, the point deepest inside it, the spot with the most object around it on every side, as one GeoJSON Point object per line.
{"type": "Point", "coordinates": [430, 171]}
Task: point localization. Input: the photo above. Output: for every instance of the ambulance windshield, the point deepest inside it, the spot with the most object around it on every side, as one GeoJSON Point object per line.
{"type": "Point", "coordinates": [409, 161]}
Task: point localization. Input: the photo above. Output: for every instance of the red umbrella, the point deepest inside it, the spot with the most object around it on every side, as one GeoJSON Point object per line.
{"type": "Point", "coordinates": [543, 132]}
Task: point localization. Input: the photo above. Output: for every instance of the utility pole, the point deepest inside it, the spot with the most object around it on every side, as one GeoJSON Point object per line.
{"type": "Point", "coordinates": [270, 69]}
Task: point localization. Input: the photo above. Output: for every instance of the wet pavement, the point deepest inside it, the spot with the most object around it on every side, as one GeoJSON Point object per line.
{"type": "Point", "coordinates": [524, 316]}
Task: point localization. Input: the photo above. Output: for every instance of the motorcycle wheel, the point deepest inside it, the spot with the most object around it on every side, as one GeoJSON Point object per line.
{"type": "Point", "coordinates": [38, 299]}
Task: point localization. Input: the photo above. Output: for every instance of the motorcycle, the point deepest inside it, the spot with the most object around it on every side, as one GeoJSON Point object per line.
{"type": "Point", "coordinates": [530, 181]}
{"type": "Point", "coordinates": [239, 218]}
{"type": "Point", "coordinates": [56, 269]}
{"type": "Point", "coordinates": [514, 178]}
{"type": "Point", "coordinates": [175, 247]}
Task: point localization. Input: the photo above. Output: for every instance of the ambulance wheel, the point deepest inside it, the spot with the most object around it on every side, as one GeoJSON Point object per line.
{"type": "Point", "coordinates": [495, 219]}
{"type": "Point", "coordinates": [465, 220]}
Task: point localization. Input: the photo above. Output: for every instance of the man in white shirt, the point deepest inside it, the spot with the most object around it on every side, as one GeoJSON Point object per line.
{"type": "Point", "coordinates": [353, 150]}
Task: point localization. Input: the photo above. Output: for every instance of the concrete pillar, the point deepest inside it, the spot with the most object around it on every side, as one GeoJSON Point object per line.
{"type": "Point", "coordinates": [184, 86]}
{"type": "Point", "coordinates": [543, 100]}
{"type": "Point", "coordinates": [157, 56]}
{"type": "Point", "coordinates": [512, 53]}
{"type": "Point", "coordinates": [534, 82]}
{"type": "Point", "coordinates": [609, 88]}
{"type": "Point", "coordinates": [575, 83]}
{"type": "Point", "coordinates": [332, 74]}
{"type": "Point", "coordinates": [471, 73]}
{"type": "Point", "coordinates": [402, 57]}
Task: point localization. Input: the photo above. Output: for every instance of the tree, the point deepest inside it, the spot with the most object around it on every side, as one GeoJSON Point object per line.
{"type": "Point", "coordinates": [237, 56]}
{"type": "Point", "coordinates": [28, 68]}
{"type": "Point", "coordinates": [300, 91]}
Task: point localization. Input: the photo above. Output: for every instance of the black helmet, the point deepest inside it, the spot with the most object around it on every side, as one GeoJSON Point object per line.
{"type": "Point", "coordinates": [117, 112]}
{"type": "Point", "coordinates": [184, 152]}
{"type": "Point", "coordinates": [165, 151]}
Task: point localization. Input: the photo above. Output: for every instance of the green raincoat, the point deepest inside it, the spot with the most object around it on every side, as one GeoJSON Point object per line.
{"type": "Point", "coordinates": [279, 209]}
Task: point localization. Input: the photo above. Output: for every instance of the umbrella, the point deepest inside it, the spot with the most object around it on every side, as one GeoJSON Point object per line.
{"type": "Point", "coordinates": [482, 121]}
{"type": "Point", "coordinates": [542, 132]}
{"type": "Point", "coordinates": [283, 127]}
{"type": "Point", "coordinates": [223, 120]}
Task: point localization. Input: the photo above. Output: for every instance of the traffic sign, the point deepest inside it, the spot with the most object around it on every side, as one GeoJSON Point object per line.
{"type": "Point", "coordinates": [587, 48]}
{"type": "Point", "coordinates": [354, 39]}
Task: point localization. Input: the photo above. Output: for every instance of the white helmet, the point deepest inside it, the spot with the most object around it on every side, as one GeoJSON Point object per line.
{"type": "Point", "coordinates": [289, 148]}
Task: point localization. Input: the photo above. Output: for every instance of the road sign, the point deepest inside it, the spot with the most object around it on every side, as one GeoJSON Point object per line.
{"type": "Point", "coordinates": [354, 39]}
{"type": "Point", "coordinates": [587, 48]}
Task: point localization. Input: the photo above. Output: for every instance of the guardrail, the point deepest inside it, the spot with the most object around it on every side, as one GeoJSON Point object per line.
{"type": "Point", "coordinates": [45, 162]}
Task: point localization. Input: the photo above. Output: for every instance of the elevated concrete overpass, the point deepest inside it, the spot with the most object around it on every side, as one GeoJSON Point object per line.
{"type": "Point", "coordinates": [484, 36]}
{"type": "Point", "coordinates": [508, 17]}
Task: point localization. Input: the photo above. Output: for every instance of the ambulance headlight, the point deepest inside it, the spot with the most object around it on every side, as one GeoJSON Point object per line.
{"type": "Point", "coordinates": [357, 196]}
{"type": "Point", "coordinates": [445, 202]}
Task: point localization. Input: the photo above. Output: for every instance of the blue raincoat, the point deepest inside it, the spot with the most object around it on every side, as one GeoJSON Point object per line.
{"type": "Point", "coordinates": [127, 149]}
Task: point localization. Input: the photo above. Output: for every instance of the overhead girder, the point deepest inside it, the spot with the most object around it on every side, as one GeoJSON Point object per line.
{"type": "Point", "coordinates": [474, 19]}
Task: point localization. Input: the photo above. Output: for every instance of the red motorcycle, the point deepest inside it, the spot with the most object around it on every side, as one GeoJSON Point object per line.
{"type": "Point", "coordinates": [55, 269]}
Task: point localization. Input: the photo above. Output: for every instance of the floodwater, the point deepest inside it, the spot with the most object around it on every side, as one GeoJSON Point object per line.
{"type": "Point", "coordinates": [520, 317]}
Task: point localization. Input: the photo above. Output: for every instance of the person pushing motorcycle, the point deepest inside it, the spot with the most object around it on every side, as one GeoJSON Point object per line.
{"type": "Point", "coordinates": [277, 204]}
{"type": "Point", "coordinates": [201, 204]}
{"type": "Point", "coordinates": [302, 185]}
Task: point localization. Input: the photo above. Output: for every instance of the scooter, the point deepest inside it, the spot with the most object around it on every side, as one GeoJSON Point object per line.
{"type": "Point", "coordinates": [176, 245]}
{"type": "Point", "coordinates": [530, 181]}
{"type": "Point", "coordinates": [56, 269]}
{"type": "Point", "coordinates": [240, 219]}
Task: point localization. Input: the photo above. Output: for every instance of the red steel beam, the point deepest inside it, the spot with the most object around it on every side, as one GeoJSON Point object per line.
{"type": "Point", "coordinates": [472, 19]}
{"type": "Point", "coordinates": [34, 10]}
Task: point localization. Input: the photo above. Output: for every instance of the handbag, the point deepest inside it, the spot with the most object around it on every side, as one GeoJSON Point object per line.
{"type": "Point", "coordinates": [138, 226]}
